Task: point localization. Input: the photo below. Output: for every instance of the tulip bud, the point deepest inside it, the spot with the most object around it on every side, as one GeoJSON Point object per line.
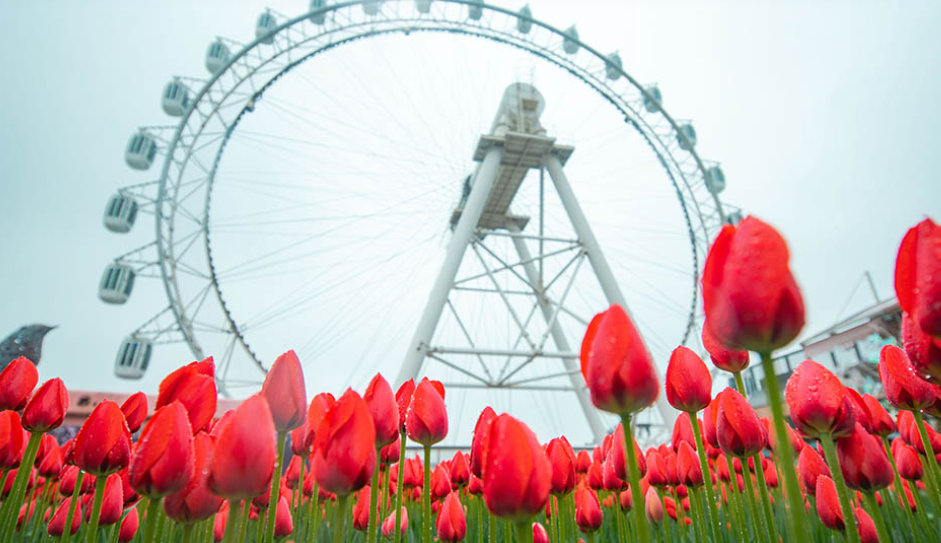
{"type": "Point", "coordinates": [56, 525]}
{"type": "Point", "coordinates": [907, 461]}
{"type": "Point", "coordinates": [828, 504]}
{"type": "Point", "coordinates": [730, 360]}
{"type": "Point", "coordinates": [917, 281]}
{"type": "Point", "coordinates": [390, 454]}
{"type": "Point", "coordinates": [516, 471]}
{"type": "Point", "coordinates": [299, 444]}
{"type": "Point", "coordinates": [50, 465]}
{"type": "Point", "coordinates": [403, 398]}
{"type": "Point", "coordinates": [738, 429]}
{"type": "Point", "coordinates": [17, 381]}
{"type": "Point", "coordinates": [562, 461]}
{"type": "Point", "coordinates": [539, 533]}
{"type": "Point", "coordinates": [427, 419]}
{"type": "Point", "coordinates": [863, 461]}
{"type": "Point", "coordinates": [194, 386]}
{"type": "Point", "coordinates": [683, 432]}
{"type": "Point", "coordinates": [388, 525]}
{"type": "Point", "coordinates": [440, 483]}
{"type": "Point", "coordinates": [689, 472]}
{"type": "Point", "coordinates": [750, 297]}
{"type": "Point", "coordinates": [588, 515]}
{"type": "Point", "coordinates": [818, 403]}
{"type": "Point", "coordinates": [451, 524]}
{"type": "Point", "coordinates": [112, 504]}
{"type": "Point", "coordinates": [654, 507]}
{"type": "Point", "coordinates": [195, 502]}
{"type": "Point", "coordinates": [923, 350]}
{"type": "Point", "coordinates": [318, 408]}
{"type": "Point", "coordinates": [283, 523]}
{"type": "Point", "coordinates": [344, 453]}
{"type": "Point", "coordinates": [902, 385]}
{"type": "Point", "coordinates": [135, 411]}
{"type": "Point", "coordinates": [863, 417]}
{"type": "Point", "coordinates": [129, 526]}
{"type": "Point", "coordinates": [480, 432]}
{"type": "Point", "coordinates": [103, 443]}
{"type": "Point", "coordinates": [810, 466]}
{"type": "Point", "coordinates": [285, 392]}
{"type": "Point", "coordinates": [384, 410]}
{"type": "Point", "coordinates": [163, 460]}
{"type": "Point", "coordinates": [47, 408]}
{"type": "Point", "coordinates": [688, 381]}
{"type": "Point", "coordinates": [616, 365]}
{"type": "Point", "coordinates": [12, 442]}
{"type": "Point", "coordinates": [459, 471]}
{"type": "Point", "coordinates": [867, 528]}
{"type": "Point", "coordinates": [243, 461]}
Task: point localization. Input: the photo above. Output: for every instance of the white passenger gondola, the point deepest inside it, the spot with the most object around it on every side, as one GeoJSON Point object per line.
{"type": "Point", "coordinates": [524, 22]}
{"type": "Point", "coordinates": [570, 43]}
{"type": "Point", "coordinates": [216, 56]}
{"type": "Point", "coordinates": [263, 27]}
{"type": "Point", "coordinates": [116, 283]}
{"type": "Point", "coordinates": [175, 98]}
{"type": "Point", "coordinates": [120, 213]}
{"type": "Point", "coordinates": [476, 10]}
{"type": "Point", "coordinates": [141, 151]}
{"type": "Point", "coordinates": [689, 141]}
{"type": "Point", "coordinates": [423, 6]}
{"type": "Point", "coordinates": [612, 66]}
{"type": "Point", "coordinates": [715, 179]}
{"type": "Point", "coordinates": [652, 102]}
{"type": "Point", "coordinates": [318, 18]}
{"type": "Point", "coordinates": [372, 7]}
{"type": "Point", "coordinates": [133, 358]}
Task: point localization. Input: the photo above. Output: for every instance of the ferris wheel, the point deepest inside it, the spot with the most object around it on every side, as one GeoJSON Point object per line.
{"type": "Point", "coordinates": [311, 191]}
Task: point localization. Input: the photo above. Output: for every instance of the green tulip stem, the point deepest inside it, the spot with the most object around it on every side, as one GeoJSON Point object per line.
{"type": "Point", "coordinates": [873, 506]}
{"type": "Point", "coordinates": [275, 494]}
{"type": "Point", "coordinates": [91, 535]}
{"type": "Point", "coordinates": [761, 530]}
{"type": "Point", "coordinates": [373, 501]}
{"type": "Point", "coordinates": [739, 383]}
{"type": "Point", "coordinates": [633, 473]}
{"type": "Point", "coordinates": [153, 511]}
{"type": "Point", "coordinates": [735, 498]}
{"type": "Point", "coordinates": [298, 492]}
{"type": "Point", "coordinates": [899, 488]}
{"type": "Point", "coordinates": [384, 495]}
{"type": "Point", "coordinates": [492, 528]}
{"type": "Point", "coordinates": [316, 513]}
{"type": "Point", "coordinates": [76, 492]}
{"type": "Point", "coordinates": [339, 531]}
{"type": "Point", "coordinates": [188, 532]}
{"type": "Point", "coordinates": [699, 521]}
{"type": "Point", "coordinates": [797, 525]}
{"type": "Point", "coordinates": [763, 496]}
{"type": "Point", "coordinates": [666, 521]}
{"type": "Point", "coordinates": [922, 517]}
{"type": "Point", "coordinates": [14, 500]}
{"type": "Point", "coordinates": [37, 519]}
{"type": "Point", "coordinates": [836, 471]}
{"type": "Point", "coordinates": [929, 453]}
{"type": "Point", "coordinates": [398, 487]}
{"type": "Point", "coordinates": [712, 511]}
{"type": "Point", "coordinates": [524, 532]}
{"type": "Point", "coordinates": [426, 524]}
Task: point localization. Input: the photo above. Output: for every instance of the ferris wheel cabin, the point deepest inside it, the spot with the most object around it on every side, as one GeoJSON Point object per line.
{"type": "Point", "coordinates": [120, 213]}
{"type": "Point", "coordinates": [372, 8]}
{"type": "Point", "coordinates": [117, 281]}
{"type": "Point", "coordinates": [686, 137]}
{"type": "Point", "coordinates": [423, 6]}
{"type": "Point", "coordinates": [475, 11]}
{"type": "Point", "coordinates": [652, 102]}
{"type": "Point", "coordinates": [570, 44]}
{"type": "Point", "coordinates": [318, 18]}
{"type": "Point", "coordinates": [263, 27]}
{"type": "Point", "coordinates": [133, 358]}
{"type": "Point", "coordinates": [141, 151]}
{"type": "Point", "coordinates": [175, 99]}
{"type": "Point", "coordinates": [613, 66]}
{"type": "Point", "coordinates": [216, 56]}
{"type": "Point", "coordinates": [524, 23]}
{"type": "Point", "coordinates": [715, 179]}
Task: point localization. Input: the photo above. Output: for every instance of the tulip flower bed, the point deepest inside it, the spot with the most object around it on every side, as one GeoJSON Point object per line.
{"type": "Point", "coordinates": [841, 467]}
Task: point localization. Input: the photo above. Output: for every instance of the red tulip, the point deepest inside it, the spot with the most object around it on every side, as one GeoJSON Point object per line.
{"type": "Point", "coordinates": [293, 473]}
{"type": "Point", "coordinates": [596, 476]}
{"type": "Point", "coordinates": [611, 480]}
{"type": "Point", "coordinates": [17, 381]}
{"type": "Point", "coordinates": [440, 483]}
{"type": "Point", "coordinates": [923, 350]}
{"type": "Point", "coordinates": [403, 398]}
{"type": "Point", "coordinates": [620, 460]}
{"type": "Point", "coordinates": [299, 444]}
{"type": "Point", "coordinates": [47, 408]}
{"type": "Point", "coordinates": [656, 469]}
{"type": "Point", "coordinates": [459, 471]}
{"type": "Point", "coordinates": [709, 423]}
{"type": "Point", "coordinates": [384, 410]}
{"type": "Point", "coordinates": [907, 462]}
{"type": "Point", "coordinates": [129, 526]}
{"type": "Point", "coordinates": [539, 533]}
{"type": "Point", "coordinates": [917, 276]}
{"type": "Point", "coordinates": [828, 504]}
{"type": "Point", "coordinates": [516, 472]}
{"type": "Point", "coordinates": [588, 515]}
{"type": "Point", "coordinates": [283, 523]}
{"type": "Point", "coordinates": [163, 462]}
{"type": "Point", "coordinates": [738, 429]}
{"type": "Point", "coordinates": [903, 387]}
{"type": "Point", "coordinates": [285, 392]}
{"type": "Point", "coordinates": [689, 472]}
{"type": "Point", "coordinates": [481, 428]}
{"type": "Point", "coordinates": [12, 442]}
{"type": "Point", "coordinates": [683, 432]}
{"type": "Point", "coordinates": [452, 525]}
{"type": "Point", "coordinates": [50, 465]}
{"type": "Point", "coordinates": [388, 525]}
{"type": "Point", "coordinates": [810, 466]}
{"type": "Point", "coordinates": [390, 454]}
{"type": "Point", "coordinates": [195, 502]}
{"type": "Point", "coordinates": [882, 423]}
{"type": "Point", "coordinates": [626, 501]}
{"type": "Point", "coordinates": [427, 419]}
{"type": "Point", "coordinates": [361, 509]}
{"type": "Point", "coordinates": [562, 461]}
{"type": "Point", "coordinates": [112, 504]}
{"type": "Point", "coordinates": [867, 528]}
{"type": "Point", "coordinates": [135, 411]}
{"type": "Point", "coordinates": [860, 408]}
{"type": "Point", "coordinates": [344, 448]}
{"type": "Point", "coordinates": [103, 444]}
{"type": "Point", "coordinates": [688, 381]}
{"type": "Point", "coordinates": [863, 461]}
{"type": "Point", "coordinates": [751, 299]}
{"type": "Point", "coordinates": [795, 439]}
{"type": "Point", "coordinates": [730, 360]}
{"type": "Point", "coordinates": [616, 365]}
{"type": "Point", "coordinates": [243, 461]}
{"type": "Point", "coordinates": [582, 462]}
{"type": "Point", "coordinates": [653, 506]}
{"type": "Point", "coordinates": [318, 408]}
{"type": "Point", "coordinates": [818, 403]}
{"type": "Point", "coordinates": [56, 525]}
{"type": "Point", "coordinates": [194, 386]}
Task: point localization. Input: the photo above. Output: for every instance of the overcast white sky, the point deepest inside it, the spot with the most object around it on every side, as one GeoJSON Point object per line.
{"type": "Point", "coordinates": [823, 115]}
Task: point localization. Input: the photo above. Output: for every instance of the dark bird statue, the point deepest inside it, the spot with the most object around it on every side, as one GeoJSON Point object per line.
{"type": "Point", "coordinates": [27, 341]}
